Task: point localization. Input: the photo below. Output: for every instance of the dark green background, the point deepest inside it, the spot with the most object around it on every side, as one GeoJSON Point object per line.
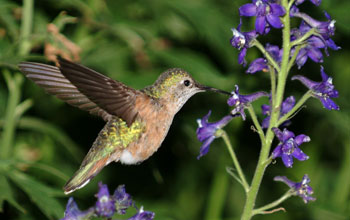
{"type": "Point", "coordinates": [134, 41]}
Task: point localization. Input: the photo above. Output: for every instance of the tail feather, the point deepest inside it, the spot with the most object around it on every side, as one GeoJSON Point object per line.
{"type": "Point", "coordinates": [83, 176]}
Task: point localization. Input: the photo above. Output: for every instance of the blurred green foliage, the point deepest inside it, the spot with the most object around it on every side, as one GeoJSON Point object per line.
{"type": "Point", "coordinates": [43, 140]}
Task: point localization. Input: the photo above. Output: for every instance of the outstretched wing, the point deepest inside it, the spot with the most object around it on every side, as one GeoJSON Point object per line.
{"type": "Point", "coordinates": [112, 96]}
{"type": "Point", "coordinates": [51, 79]}
{"type": "Point", "coordinates": [84, 88]}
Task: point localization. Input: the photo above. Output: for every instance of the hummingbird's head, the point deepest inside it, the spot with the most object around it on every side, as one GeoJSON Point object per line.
{"type": "Point", "coordinates": [176, 86]}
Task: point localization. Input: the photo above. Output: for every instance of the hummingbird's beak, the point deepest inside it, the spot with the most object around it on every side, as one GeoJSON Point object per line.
{"type": "Point", "coordinates": [207, 88]}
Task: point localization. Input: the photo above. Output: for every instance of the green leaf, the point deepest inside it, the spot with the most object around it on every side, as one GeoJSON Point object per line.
{"type": "Point", "coordinates": [40, 194]}
{"type": "Point", "coordinates": [7, 195]}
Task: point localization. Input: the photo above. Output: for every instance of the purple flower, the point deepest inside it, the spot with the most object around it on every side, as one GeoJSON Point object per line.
{"type": "Point", "coordinates": [301, 189]}
{"type": "Point", "coordinates": [73, 213]}
{"type": "Point", "coordinates": [206, 132]}
{"type": "Point", "coordinates": [312, 47]}
{"type": "Point", "coordinates": [260, 64]}
{"type": "Point", "coordinates": [315, 2]}
{"type": "Point", "coordinates": [266, 13]}
{"type": "Point", "coordinates": [242, 40]}
{"type": "Point", "coordinates": [105, 205]}
{"type": "Point", "coordinates": [325, 28]}
{"type": "Point", "coordinates": [324, 90]}
{"type": "Point", "coordinates": [242, 101]}
{"type": "Point", "coordinates": [143, 215]}
{"type": "Point", "coordinates": [122, 199]}
{"type": "Point", "coordinates": [289, 146]}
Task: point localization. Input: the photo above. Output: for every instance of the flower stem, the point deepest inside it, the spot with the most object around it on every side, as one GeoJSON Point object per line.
{"type": "Point", "coordinates": [273, 84]}
{"type": "Point", "coordinates": [26, 27]}
{"type": "Point", "coordinates": [301, 101]}
{"type": "Point", "coordinates": [292, 60]}
{"type": "Point", "coordinates": [235, 160]}
{"type": "Point", "coordinates": [256, 123]}
{"type": "Point", "coordinates": [304, 37]}
{"type": "Point", "coordinates": [262, 210]}
{"type": "Point", "coordinates": [276, 105]}
{"type": "Point", "coordinates": [14, 85]}
{"type": "Point", "coordinates": [266, 54]}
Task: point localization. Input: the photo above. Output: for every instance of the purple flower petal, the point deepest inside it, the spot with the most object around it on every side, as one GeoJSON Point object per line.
{"type": "Point", "coordinates": [260, 24]}
{"type": "Point", "coordinates": [302, 138]}
{"type": "Point", "coordinates": [301, 58]}
{"type": "Point", "coordinates": [259, 64]}
{"type": "Point", "coordinates": [205, 147]}
{"type": "Point", "coordinates": [329, 104]}
{"type": "Point", "coordinates": [266, 122]}
{"type": "Point", "coordinates": [284, 179]}
{"type": "Point", "coordinates": [206, 131]}
{"type": "Point", "coordinates": [287, 135]}
{"type": "Point", "coordinates": [72, 211]}
{"type": "Point", "coordinates": [265, 109]}
{"type": "Point", "coordinates": [299, 154]}
{"type": "Point", "coordinates": [277, 10]}
{"type": "Point", "coordinates": [287, 105]}
{"type": "Point", "coordinates": [316, 55]}
{"type": "Point", "coordinates": [287, 160]}
{"type": "Point", "coordinates": [143, 215]}
{"type": "Point", "coordinates": [331, 44]}
{"type": "Point", "coordinates": [241, 57]}
{"type": "Point", "coordinates": [274, 21]}
{"type": "Point", "coordinates": [123, 199]}
{"type": "Point", "coordinates": [277, 152]}
{"type": "Point", "coordinates": [278, 133]}
{"type": "Point", "coordinates": [105, 205]}
{"type": "Point", "coordinates": [247, 10]}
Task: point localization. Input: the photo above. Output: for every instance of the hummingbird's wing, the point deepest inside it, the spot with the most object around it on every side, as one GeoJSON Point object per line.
{"type": "Point", "coordinates": [51, 79]}
{"type": "Point", "coordinates": [112, 96]}
{"type": "Point", "coordinates": [84, 88]}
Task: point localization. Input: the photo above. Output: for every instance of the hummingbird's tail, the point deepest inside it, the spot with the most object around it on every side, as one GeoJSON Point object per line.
{"type": "Point", "coordinates": [83, 176]}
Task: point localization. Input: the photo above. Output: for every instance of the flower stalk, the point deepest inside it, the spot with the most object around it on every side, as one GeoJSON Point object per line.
{"type": "Point", "coordinates": [242, 178]}
{"type": "Point", "coordinates": [298, 45]}
{"type": "Point", "coordinates": [276, 105]}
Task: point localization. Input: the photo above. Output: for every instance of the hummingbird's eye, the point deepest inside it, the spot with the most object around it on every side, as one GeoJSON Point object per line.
{"type": "Point", "coordinates": [187, 82]}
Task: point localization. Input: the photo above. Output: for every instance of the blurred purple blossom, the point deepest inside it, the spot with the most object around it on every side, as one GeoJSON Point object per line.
{"type": "Point", "coordinates": [72, 211]}
{"type": "Point", "coordinates": [267, 13]}
{"type": "Point", "coordinates": [143, 215]}
{"type": "Point", "coordinates": [301, 189]}
{"type": "Point", "coordinates": [123, 200]}
{"type": "Point", "coordinates": [323, 90]}
{"type": "Point", "coordinates": [240, 102]}
{"type": "Point", "coordinates": [105, 205]}
{"type": "Point", "coordinates": [206, 131]}
{"type": "Point", "coordinates": [289, 146]}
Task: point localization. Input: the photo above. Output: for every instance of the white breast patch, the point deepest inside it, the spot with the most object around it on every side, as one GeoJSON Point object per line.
{"type": "Point", "coordinates": [127, 158]}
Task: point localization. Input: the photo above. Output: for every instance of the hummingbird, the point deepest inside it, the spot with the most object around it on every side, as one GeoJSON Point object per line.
{"type": "Point", "coordinates": [137, 121]}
